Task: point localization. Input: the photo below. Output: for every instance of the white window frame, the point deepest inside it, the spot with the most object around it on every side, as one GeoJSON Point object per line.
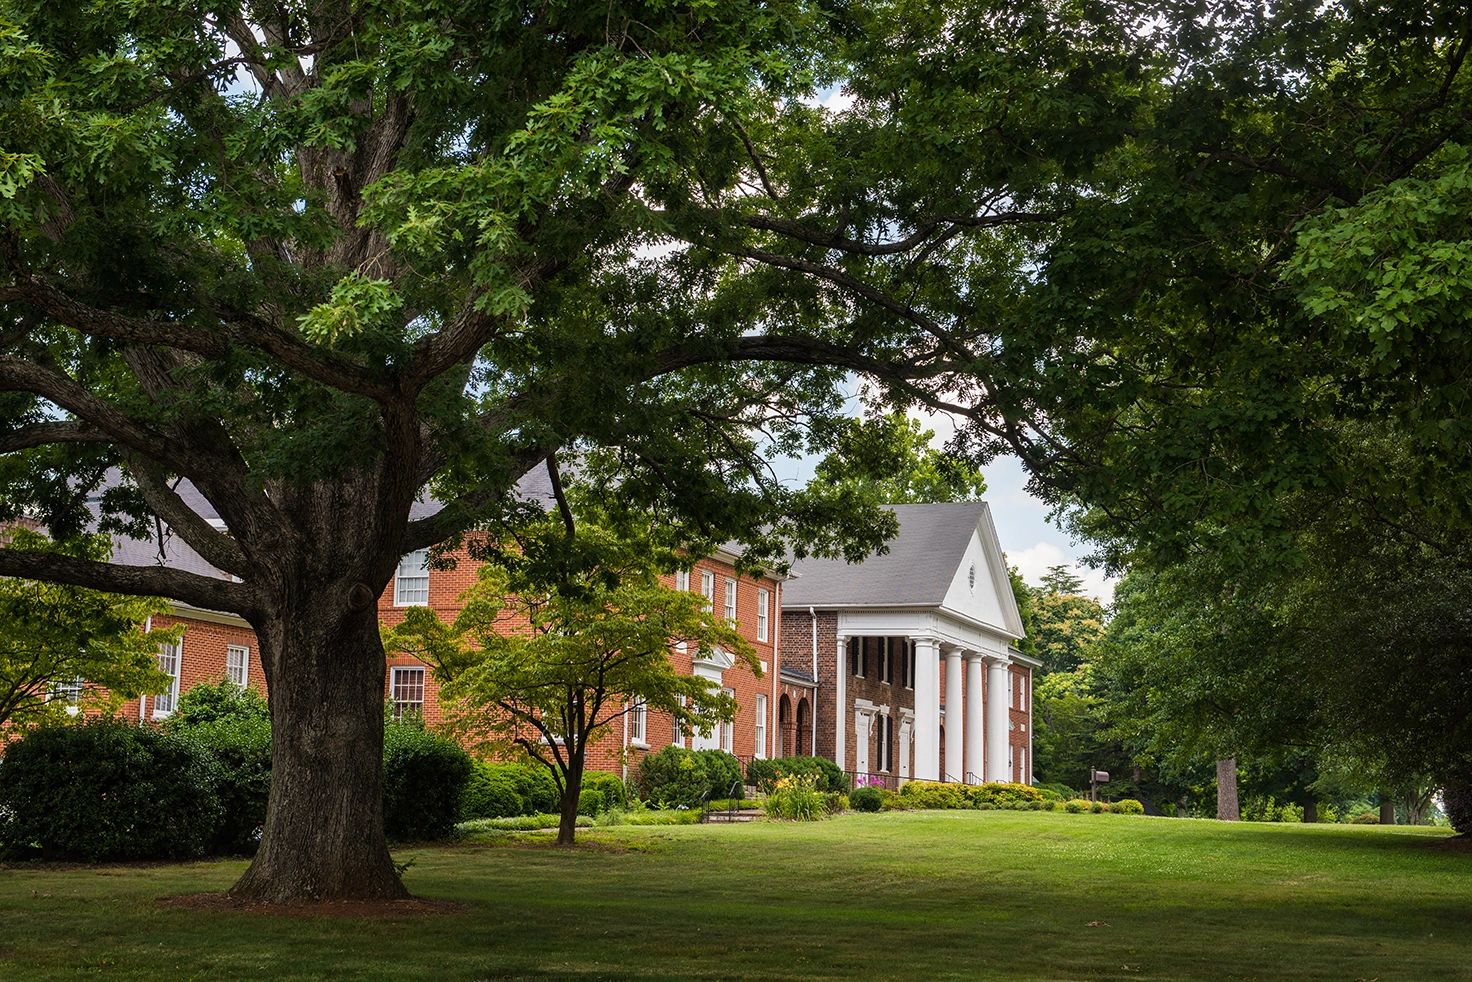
{"type": "Point", "coordinates": [886, 734]}
{"type": "Point", "coordinates": [730, 601]}
{"type": "Point", "coordinates": [910, 665]}
{"type": "Point", "coordinates": [393, 686]}
{"type": "Point", "coordinates": [856, 659]}
{"type": "Point", "coordinates": [708, 589]}
{"type": "Point", "coordinates": [884, 664]}
{"type": "Point", "coordinates": [407, 583]}
{"type": "Point", "coordinates": [761, 725]}
{"type": "Point", "coordinates": [682, 580]}
{"type": "Point", "coordinates": [728, 729]}
{"type": "Point", "coordinates": [69, 693]}
{"type": "Point", "coordinates": [639, 724]}
{"type": "Point", "coordinates": [763, 600]}
{"type": "Point", "coordinates": [170, 661]}
{"type": "Point", "coordinates": [244, 653]}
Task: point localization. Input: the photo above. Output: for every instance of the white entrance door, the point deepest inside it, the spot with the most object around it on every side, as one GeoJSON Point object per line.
{"type": "Point", "coordinates": [905, 727]}
{"type": "Point", "coordinates": [861, 742]}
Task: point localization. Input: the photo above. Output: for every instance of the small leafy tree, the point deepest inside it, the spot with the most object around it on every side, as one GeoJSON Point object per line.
{"type": "Point", "coordinates": [67, 647]}
{"type": "Point", "coordinates": [590, 644]}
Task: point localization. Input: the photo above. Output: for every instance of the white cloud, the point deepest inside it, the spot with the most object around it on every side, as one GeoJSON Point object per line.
{"type": "Point", "coordinates": [1036, 560]}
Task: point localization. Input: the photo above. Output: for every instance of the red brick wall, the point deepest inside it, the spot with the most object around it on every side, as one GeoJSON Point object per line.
{"type": "Point", "coordinates": [1020, 713]}
{"type": "Point", "coordinates": [202, 658]}
{"type": "Point", "coordinates": [204, 643]}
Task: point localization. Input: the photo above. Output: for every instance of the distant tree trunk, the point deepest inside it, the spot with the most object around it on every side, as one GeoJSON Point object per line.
{"type": "Point", "coordinates": [1227, 808]}
{"type": "Point", "coordinates": [323, 837]}
{"type": "Point", "coordinates": [1387, 809]}
{"type": "Point", "coordinates": [1310, 810]}
{"type": "Point", "coordinates": [572, 789]}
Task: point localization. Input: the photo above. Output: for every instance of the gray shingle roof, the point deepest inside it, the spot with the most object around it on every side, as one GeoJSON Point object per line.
{"type": "Point", "coordinates": [918, 568]}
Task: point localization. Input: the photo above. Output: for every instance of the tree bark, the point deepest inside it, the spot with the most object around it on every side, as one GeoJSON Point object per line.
{"type": "Point", "coordinates": [1310, 810]}
{"type": "Point", "coordinates": [1387, 809]}
{"type": "Point", "coordinates": [323, 839]}
{"type": "Point", "coordinates": [1227, 808]}
{"type": "Point", "coordinates": [567, 825]}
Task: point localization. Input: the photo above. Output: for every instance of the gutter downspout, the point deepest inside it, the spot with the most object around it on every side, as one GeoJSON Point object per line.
{"type": "Point", "coordinates": [767, 724]}
{"type": "Point", "coordinates": [143, 696]}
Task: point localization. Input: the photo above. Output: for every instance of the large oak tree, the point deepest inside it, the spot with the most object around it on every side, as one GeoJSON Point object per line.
{"type": "Point", "coordinates": [319, 257]}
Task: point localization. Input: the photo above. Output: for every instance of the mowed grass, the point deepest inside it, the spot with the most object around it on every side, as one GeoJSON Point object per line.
{"type": "Point", "coordinates": [918, 895]}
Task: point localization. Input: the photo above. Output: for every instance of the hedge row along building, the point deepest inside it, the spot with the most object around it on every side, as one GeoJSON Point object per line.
{"type": "Point", "coordinates": [902, 666]}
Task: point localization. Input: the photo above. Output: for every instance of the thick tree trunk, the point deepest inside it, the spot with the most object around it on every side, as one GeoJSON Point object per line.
{"type": "Point", "coordinates": [1310, 810]}
{"type": "Point", "coordinates": [1387, 810]}
{"type": "Point", "coordinates": [567, 825]}
{"type": "Point", "coordinates": [323, 839]}
{"type": "Point", "coordinates": [1227, 808]}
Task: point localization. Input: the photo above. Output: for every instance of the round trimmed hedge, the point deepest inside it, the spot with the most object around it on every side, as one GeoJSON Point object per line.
{"type": "Point", "coordinates": [108, 790]}
{"type": "Point", "coordinates": [678, 778]}
{"type": "Point", "coordinates": [424, 776]}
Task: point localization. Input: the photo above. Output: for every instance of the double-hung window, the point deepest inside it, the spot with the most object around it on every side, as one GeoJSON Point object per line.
{"type": "Point", "coordinates": [886, 741]}
{"type": "Point", "coordinates": [730, 600]}
{"type": "Point", "coordinates": [406, 690]}
{"type": "Point", "coordinates": [237, 664]}
{"type": "Point", "coordinates": [909, 657]}
{"type": "Point", "coordinates": [639, 724]}
{"type": "Point", "coordinates": [170, 656]}
{"type": "Point", "coordinates": [67, 693]}
{"type": "Point", "coordinates": [411, 583]}
{"type": "Point", "coordinates": [762, 601]}
{"type": "Point", "coordinates": [682, 580]}
{"type": "Point", "coordinates": [886, 666]}
{"type": "Point", "coordinates": [728, 729]}
{"type": "Point", "coordinates": [761, 725]}
{"type": "Point", "coordinates": [708, 588]}
{"type": "Point", "coordinates": [856, 657]}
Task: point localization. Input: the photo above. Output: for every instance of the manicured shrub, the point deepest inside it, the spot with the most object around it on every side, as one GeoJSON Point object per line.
{"type": "Point", "coordinates": [538, 790]}
{"type": "Point", "coordinates": [1456, 800]}
{"type": "Point", "coordinates": [1077, 805]}
{"type": "Point", "coordinates": [1052, 805]}
{"type": "Point", "coordinates": [216, 701]}
{"type": "Point", "coordinates": [725, 773]}
{"type": "Point", "coordinates": [673, 778]}
{"type": "Point", "coordinates": [1365, 818]}
{"type": "Point", "coordinates": [609, 789]}
{"type": "Point", "coordinates": [797, 798]}
{"type": "Point", "coordinates": [1127, 806]}
{"type": "Point", "coordinates": [679, 778]}
{"type": "Point", "coordinates": [491, 792]}
{"type": "Point", "coordinates": [234, 725]}
{"type": "Point", "coordinates": [1099, 807]}
{"type": "Point", "coordinates": [424, 778]}
{"type": "Point", "coordinates": [1057, 792]}
{"type": "Point", "coordinates": [108, 790]}
{"type": "Point", "coordinates": [764, 773]}
{"type": "Point", "coordinates": [866, 799]}
{"type": "Point", "coordinates": [1033, 806]}
{"type": "Point", "coordinates": [933, 794]}
{"type": "Point", "coordinates": [1003, 794]}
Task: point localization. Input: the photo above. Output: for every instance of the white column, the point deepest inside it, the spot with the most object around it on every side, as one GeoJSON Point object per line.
{"type": "Point", "coordinates": [955, 717]}
{"type": "Point", "coordinates": [927, 709]}
{"type": "Point", "coordinates": [840, 711]}
{"type": "Point", "coordinates": [975, 726]}
{"type": "Point", "coordinates": [998, 722]}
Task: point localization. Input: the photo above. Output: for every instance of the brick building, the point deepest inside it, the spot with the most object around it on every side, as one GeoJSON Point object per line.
{"type": "Point", "coordinates": [901, 666]}
{"type": "Point", "coordinates": [907, 662]}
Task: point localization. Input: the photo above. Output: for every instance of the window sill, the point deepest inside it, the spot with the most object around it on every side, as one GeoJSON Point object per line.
{"type": "Point", "coordinates": [639, 744]}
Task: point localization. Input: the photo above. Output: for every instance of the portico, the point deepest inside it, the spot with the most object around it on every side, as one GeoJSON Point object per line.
{"type": "Point", "coordinates": [916, 653]}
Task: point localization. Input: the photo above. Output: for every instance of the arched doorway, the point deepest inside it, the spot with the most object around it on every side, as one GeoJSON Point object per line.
{"type": "Point", "coordinates": [804, 737]}
{"type": "Point", "coordinates": [784, 725]}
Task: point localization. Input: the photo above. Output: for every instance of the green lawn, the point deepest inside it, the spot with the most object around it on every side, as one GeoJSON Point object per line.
{"type": "Point", "coordinates": [920, 895]}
